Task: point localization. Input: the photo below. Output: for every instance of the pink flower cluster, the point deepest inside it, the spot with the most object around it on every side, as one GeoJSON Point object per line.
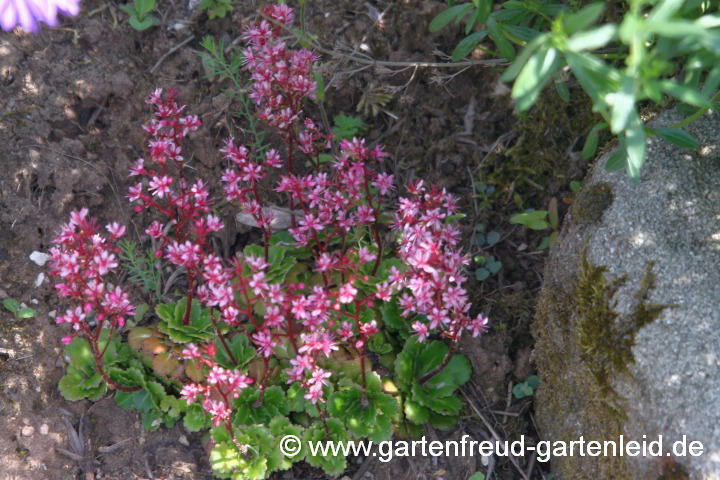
{"type": "Point", "coordinates": [435, 280]}
{"type": "Point", "coordinates": [282, 78]}
{"type": "Point", "coordinates": [222, 385]}
{"type": "Point", "coordinates": [82, 258]}
{"type": "Point", "coordinates": [334, 204]}
{"type": "Point", "coordinates": [165, 190]}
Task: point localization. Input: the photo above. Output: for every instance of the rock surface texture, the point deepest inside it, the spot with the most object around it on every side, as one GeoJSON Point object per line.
{"type": "Point", "coordinates": [628, 325]}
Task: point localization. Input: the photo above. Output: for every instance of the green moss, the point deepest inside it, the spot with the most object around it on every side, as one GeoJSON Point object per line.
{"type": "Point", "coordinates": [539, 157]}
{"type": "Point", "coordinates": [605, 337]}
{"type": "Point", "coordinates": [589, 206]}
{"type": "Point", "coordinates": [576, 319]}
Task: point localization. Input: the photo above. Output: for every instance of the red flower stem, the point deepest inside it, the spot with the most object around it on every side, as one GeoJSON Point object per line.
{"type": "Point", "coordinates": [440, 368]}
{"type": "Point", "coordinates": [224, 342]}
{"type": "Point", "coordinates": [290, 171]}
{"type": "Point", "coordinates": [191, 282]}
{"type": "Point", "coordinates": [101, 371]}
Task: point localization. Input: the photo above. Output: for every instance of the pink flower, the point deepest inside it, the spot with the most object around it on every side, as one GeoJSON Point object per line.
{"type": "Point", "coordinates": [116, 230]}
{"type": "Point", "coordinates": [160, 186]}
{"type": "Point", "coordinates": [479, 325]}
{"type": "Point", "coordinates": [347, 293]}
{"type": "Point", "coordinates": [105, 262]}
{"type": "Point", "coordinates": [421, 331]}
{"type": "Point", "coordinates": [264, 340]}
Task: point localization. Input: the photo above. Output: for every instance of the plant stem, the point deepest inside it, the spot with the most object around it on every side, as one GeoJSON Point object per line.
{"type": "Point", "coordinates": [439, 368]}
{"type": "Point", "coordinates": [101, 371]}
{"type": "Point", "coordinates": [699, 113]}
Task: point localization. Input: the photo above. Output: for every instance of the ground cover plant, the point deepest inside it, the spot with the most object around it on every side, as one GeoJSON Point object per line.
{"type": "Point", "coordinates": [149, 359]}
{"type": "Point", "coordinates": [278, 340]}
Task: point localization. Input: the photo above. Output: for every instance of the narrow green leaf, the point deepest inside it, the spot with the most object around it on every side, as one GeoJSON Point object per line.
{"type": "Point", "coordinates": [514, 69]}
{"type": "Point", "coordinates": [503, 44]}
{"type": "Point", "coordinates": [524, 34]}
{"type": "Point", "coordinates": [623, 105]}
{"type": "Point", "coordinates": [467, 45]}
{"type": "Point", "coordinates": [562, 91]}
{"type": "Point", "coordinates": [635, 146]}
{"type": "Point", "coordinates": [471, 21]}
{"type": "Point", "coordinates": [442, 19]}
{"type": "Point", "coordinates": [591, 143]}
{"type": "Point", "coordinates": [678, 137]}
{"type": "Point", "coordinates": [484, 10]}
{"type": "Point", "coordinates": [579, 21]}
{"type": "Point", "coordinates": [616, 161]}
{"type": "Point", "coordinates": [320, 90]}
{"type": "Point", "coordinates": [553, 216]}
{"type": "Point", "coordinates": [685, 94]}
{"type": "Point", "coordinates": [592, 39]}
{"type": "Point", "coordinates": [665, 10]}
{"type": "Point", "coordinates": [534, 76]}
{"type": "Point", "coordinates": [528, 217]}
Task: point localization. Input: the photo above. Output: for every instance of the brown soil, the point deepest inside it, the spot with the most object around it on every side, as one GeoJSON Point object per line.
{"type": "Point", "coordinates": [71, 107]}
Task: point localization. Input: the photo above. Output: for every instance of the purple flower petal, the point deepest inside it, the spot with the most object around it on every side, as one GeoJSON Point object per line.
{"type": "Point", "coordinates": [29, 13]}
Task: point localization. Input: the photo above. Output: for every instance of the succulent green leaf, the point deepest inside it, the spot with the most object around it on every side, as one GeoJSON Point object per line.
{"type": "Point", "coordinates": [77, 385]}
{"type": "Point", "coordinates": [241, 349]}
{"type": "Point", "coordinates": [225, 458]}
{"type": "Point", "coordinates": [443, 422]}
{"type": "Point", "coordinates": [482, 274]}
{"type": "Point", "coordinates": [141, 25]}
{"type": "Point", "coordinates": [195, 418]}
{"type": "Point", "coordinates": [12, 305]}
{"type": "Point", "coordinates": [254, 407]}
{"type": "Point", "coordinates": [26, 312]}
{"type": "Point", "coordinates": [336, 433]}
{"type": "Point", "coordinates": [416, 413]}
{"type": "Point", "coordinates": [494, 266]}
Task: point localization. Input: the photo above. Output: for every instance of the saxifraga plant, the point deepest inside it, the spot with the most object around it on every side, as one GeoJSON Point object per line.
{"type": "Point", "coordinates": [278, 340]}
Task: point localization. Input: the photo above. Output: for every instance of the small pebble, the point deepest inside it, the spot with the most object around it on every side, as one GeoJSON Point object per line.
{"type": "Point", "coordinates": [183, 440]}
{"type": "Point", "coordinates": [40, 279]}
{"type": "Point", "coordinates": [39, 258]}
{"type": "Point", "coordinates": [27, 431]}
{"type": "Point", "coordinates": [44, 429]}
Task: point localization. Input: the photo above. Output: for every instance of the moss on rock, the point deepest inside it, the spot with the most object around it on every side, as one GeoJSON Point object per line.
{"type": "Point", "coordinates": [589, 207]}
{"type": "Point", "coordinates": [576, 319]}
